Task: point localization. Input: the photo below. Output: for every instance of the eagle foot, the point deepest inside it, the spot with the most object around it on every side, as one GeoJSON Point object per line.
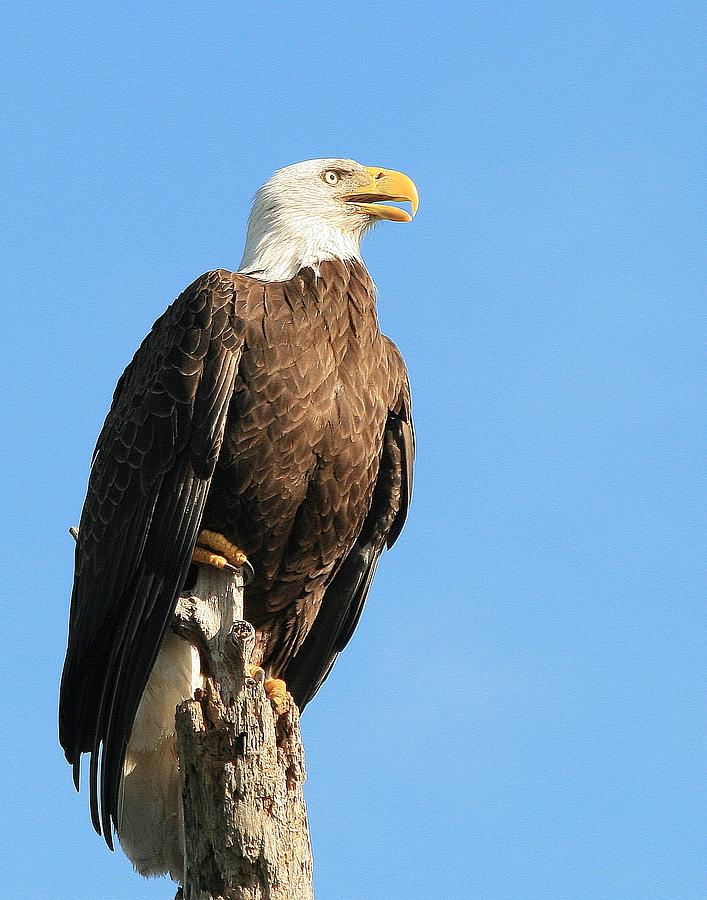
{"type": "Point", "coordinates": [213, 549]}
{"type": "Point", "coordinates": [276, 692]}
{"type": "Point", "coordinates": [275, 689]}
{"type": "Point", "coordinates": [256, 672]}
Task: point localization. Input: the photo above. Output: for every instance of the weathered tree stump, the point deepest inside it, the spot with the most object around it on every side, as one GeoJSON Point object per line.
{"type": "Point", "coordinates": [242, 766]}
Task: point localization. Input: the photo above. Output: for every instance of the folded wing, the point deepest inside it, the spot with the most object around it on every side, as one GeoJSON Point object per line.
{"type": "Point", "coordinates": [149, 479]}
{"type": "Point", "coordinates": [345, 597]}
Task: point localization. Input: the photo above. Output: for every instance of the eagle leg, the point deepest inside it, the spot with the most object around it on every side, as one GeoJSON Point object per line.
{"type": "Point", "coordinates": [213, 549]}
{"type": "Point", "coordinates": [275, 688]}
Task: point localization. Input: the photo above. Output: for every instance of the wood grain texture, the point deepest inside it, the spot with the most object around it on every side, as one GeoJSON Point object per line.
{"type": "Point", "coordinates": [242, 767]}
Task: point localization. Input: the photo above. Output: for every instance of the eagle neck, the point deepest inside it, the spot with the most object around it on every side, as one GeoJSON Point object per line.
{"type": "Point", "coordinates": [278, 254]}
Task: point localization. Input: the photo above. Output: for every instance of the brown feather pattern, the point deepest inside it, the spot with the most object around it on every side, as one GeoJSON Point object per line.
{"type": "Point", "coordinates": [275, 413]}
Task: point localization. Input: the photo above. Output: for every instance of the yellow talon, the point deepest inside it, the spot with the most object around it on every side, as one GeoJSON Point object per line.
{"type": "Point", "coordinates": [207, 558]}
{"type": "Point", "coordinates": [217, 541]}
{"type": "Point", "coordinates": [276, 692]}
{"type": "Point", "coordinates": [275, 688]}
{"type": "Point", "coordinates": [225, 554]}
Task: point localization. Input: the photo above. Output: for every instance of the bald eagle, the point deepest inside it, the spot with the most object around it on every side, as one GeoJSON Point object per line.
{"type": "Point", "coordinates": [265, 421]}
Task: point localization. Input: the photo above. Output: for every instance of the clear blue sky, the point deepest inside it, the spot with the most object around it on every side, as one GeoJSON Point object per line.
{"type": "Point", "coordinates": [519, 714]}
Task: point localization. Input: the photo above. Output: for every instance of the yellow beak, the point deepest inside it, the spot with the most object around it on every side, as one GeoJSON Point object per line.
{"type": "Point", "coordinates": [385, 184]}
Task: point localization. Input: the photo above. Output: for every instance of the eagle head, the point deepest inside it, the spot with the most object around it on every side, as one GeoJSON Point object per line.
{"type": "Point", "coordinates": [320, 209]}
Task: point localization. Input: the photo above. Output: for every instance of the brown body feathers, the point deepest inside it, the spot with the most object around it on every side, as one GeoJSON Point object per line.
{"type": "Point", "coordinates": [275, 413]}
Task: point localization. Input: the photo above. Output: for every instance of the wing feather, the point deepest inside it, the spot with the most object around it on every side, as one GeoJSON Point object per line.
{"type": "Point", "coordinates": [345, 597]}
{"type": "Point", "coordinates": [149, 479]}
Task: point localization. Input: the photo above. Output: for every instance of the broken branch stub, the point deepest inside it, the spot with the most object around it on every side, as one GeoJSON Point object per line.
{"type": "Point", "coordinates": [242, 766]}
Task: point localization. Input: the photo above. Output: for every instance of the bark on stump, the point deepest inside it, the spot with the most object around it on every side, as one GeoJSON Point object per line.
{"type": "Point", "coordinates": [242, 766]}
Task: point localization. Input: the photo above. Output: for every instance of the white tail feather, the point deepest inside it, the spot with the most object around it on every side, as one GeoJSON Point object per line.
{"type": "Point", "coordinates": [150, 826]}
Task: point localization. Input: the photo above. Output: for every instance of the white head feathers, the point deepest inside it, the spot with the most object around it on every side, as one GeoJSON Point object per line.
{"type": "Point", "coordinates": [297, 220]}
{"type": "Point", "coordinates": [317, 210]}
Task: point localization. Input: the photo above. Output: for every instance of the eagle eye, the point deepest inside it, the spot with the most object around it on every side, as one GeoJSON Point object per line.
{"type": "Point", "coordinates": [331, 176]}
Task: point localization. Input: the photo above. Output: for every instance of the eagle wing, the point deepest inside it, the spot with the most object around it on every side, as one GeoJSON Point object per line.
{"type": "Point", "coordinates": [149, 478]}
{"type": "Point", "coordinates": [345, 597]}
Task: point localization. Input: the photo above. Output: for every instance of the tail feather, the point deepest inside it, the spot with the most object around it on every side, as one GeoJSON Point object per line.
{"type": "Point", "coordinates": [150, 820]}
